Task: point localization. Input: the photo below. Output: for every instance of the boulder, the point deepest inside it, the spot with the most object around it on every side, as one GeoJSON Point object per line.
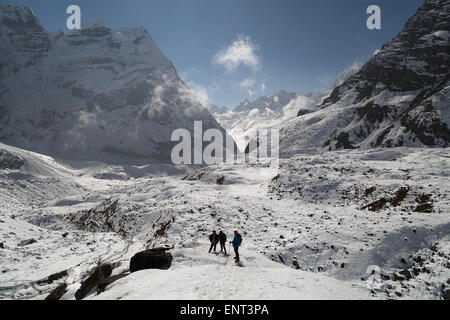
{"type": "Point", "coordinates": [57, 293]}
{"type": "Point", "coordinates": [405, 273]}
{"type": "Point", "coordinates": [56, 276]}
{"type": "Point", "coordinates": [157, 258]}
{"type": "Point", "coordinates": [220, 180]}
{"type": "Point", "coordinates": [103, 284]}
{"type": "Point", "coordinates": [9, 160]}
{"type": "Point", "coordinates": [99, 274]}
{"type": "Point", "coordinates": [27, 242]}
{"type": "Point", "coordinates": [446, 294]}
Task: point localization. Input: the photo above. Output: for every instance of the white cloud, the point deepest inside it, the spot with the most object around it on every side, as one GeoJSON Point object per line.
{"type": "Point", "coordinates": [241, 52]}
{"type": "Point", "coordinates": [347, 73]}
{"type": "Point", "coordinates": [376, 52]}
{"type": "Point", "coordinates": [325, 80]}
{"type": "Point", "coordinates": [247, 83]}
{"type": "Point", "coordinates": [252, 87]}
{"type": "Point", "coordinates": [202, 93]}
{"type": "Point", "coordinates": [329, 81]}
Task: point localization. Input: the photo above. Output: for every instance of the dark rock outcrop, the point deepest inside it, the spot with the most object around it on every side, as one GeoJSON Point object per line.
{"type": "Point", "coordinates": [106, 217]}
{"type": "Point", "coordinates": [157, 258]}
{"type": "Point", "coordinates": [57, 293]}
{"type": "Point", "coordinates": [27, 242]}
{"type": "Point", "coordinates": [10, 161]}
{"type": "Point", "coordinates": [103, 284]}
{"type": "Point", "coordinates": [98, 275]}
{"type": "Point", "coordinates": [220, 180]}
{"type": "Point", "coordinates": [56, 276]}
{"type": "Point", "coordinates": [446, 294]}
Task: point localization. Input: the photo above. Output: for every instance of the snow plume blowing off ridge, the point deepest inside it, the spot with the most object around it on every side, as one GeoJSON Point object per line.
{"type": "Point", "coordinates": [94, 93]}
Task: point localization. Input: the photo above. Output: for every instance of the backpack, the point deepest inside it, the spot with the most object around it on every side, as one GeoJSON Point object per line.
{"type": "Point", "coordinates": [239, 239]}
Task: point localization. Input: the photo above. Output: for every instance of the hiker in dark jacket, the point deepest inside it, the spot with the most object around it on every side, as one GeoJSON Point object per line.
{"type": "Point", "coordinates": [223, 240]}
{"type": "Point", "coordinates": [214, 239]}
{"type": "Point", "coordinates": [237, 240]}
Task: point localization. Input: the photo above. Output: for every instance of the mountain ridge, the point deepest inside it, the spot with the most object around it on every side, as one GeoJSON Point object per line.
{"type": "Point", "coordinates": [94, 93]}
{"type": "Point", "coordinates": [399, 97]}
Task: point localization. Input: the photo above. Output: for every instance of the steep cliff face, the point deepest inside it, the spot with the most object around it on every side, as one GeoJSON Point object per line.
{"type": "Point", "coordinates": [24, 40]}
{"type": "Point", "coordinates": [400, 97]}
{"type": "Point", "coordinates": [91, 91]}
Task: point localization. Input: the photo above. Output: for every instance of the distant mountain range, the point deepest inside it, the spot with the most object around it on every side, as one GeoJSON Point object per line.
{"type": "Point", "coordinates": [264, 113]}
{"type": "Point", "coordinates": [272, 112]}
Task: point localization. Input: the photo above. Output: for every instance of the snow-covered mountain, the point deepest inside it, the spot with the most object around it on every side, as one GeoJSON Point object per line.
{"type": "Point", "coordinates": [400, 97]}
{"type": "Point", "coordinates": [243, 122]}
{"type": "Point", "coordinates": [88, 92]}
{"type": "Point", "coordinates": [265, 113]}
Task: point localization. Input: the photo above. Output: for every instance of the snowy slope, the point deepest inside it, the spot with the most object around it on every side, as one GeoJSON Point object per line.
{"type": "Point", "coordinates": [311, 228]}
{"type": "Point", "coordinates": [400, 97]}
{"type": "Point", "coordinates": [197, 275]}
{"type": "Point", "coordinates": [91, 92]}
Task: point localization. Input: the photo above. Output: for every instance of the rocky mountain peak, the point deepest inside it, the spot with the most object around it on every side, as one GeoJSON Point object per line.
{"type": "Point", "coordinates": [399, 97]}
{"type": "Point", "coordinates": [416, 58]}
{"type": "Point", "coordinates": [90, 92]}
{"type": "Point", "coordinates": [19, 18]}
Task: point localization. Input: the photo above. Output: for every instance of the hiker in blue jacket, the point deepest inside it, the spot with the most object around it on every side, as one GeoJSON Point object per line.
{"type": "Point", "coordinates": [237, 240]}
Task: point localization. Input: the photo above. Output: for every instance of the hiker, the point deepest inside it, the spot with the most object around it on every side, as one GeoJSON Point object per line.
{"type": "Point", "coordinates": [214, 239]}
{"type": "Point", "coordinates": [236, 244]}
{"type": "Point", "coordinates": [223, 240]}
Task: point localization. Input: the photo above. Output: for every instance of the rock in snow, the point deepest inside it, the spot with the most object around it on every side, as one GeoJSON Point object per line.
{"type": "Point", "coordinates": [10, 161]}
{"type": "Point", "coordinates": [157, 258]}
{"type": "Point", "coordinates": [27, 242]}
{"type": "Point", "coordinates": [99, 274]}
{"type": "Point", "coordinates": [57, 293]}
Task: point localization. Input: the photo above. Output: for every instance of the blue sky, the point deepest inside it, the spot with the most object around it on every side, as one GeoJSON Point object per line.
{"type": "Point", "coordinates": [231, 50]}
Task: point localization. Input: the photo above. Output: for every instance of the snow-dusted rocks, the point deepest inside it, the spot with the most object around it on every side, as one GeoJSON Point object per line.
{"type": "Point", "coordinates": [106, 217]}
{"type": "Point", "coordinates": [10, 161]}
{"type": "Point", "coordinates": [400, 97]}
{"type": "Point", "coordinates": [90, 93]}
